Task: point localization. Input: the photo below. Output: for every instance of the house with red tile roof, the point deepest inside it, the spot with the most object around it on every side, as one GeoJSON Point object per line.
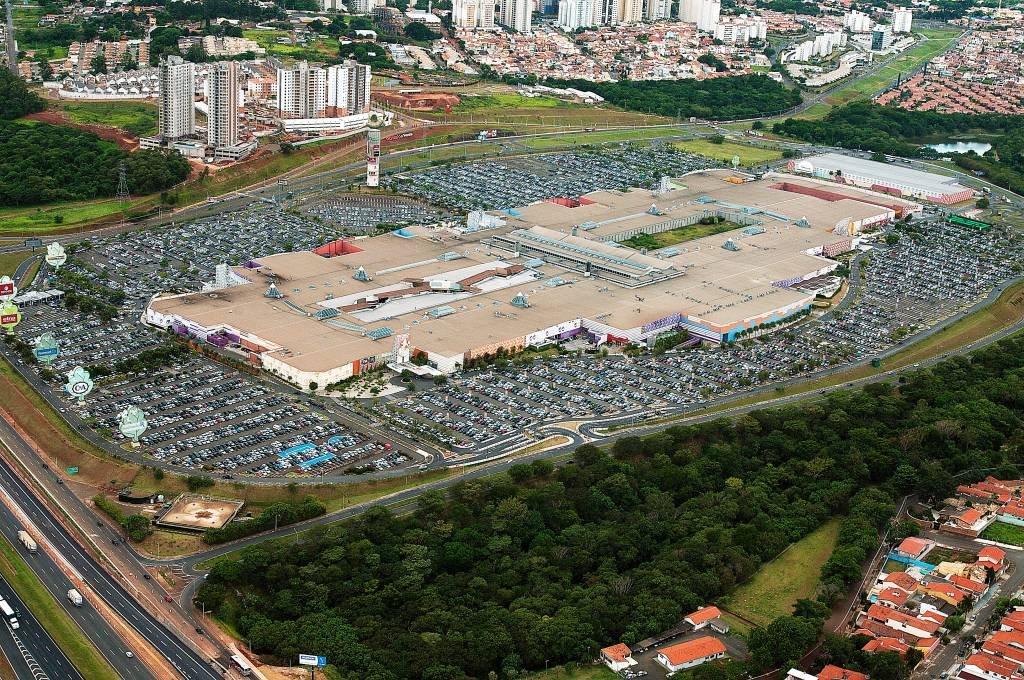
{"type": "Point", "coordinates": [703, 617]}
{"type": "Point", "coordinates": [1003, 651]}
{"type": "Point", "coordinates": [902, 580]}
{"type": "Point", "coordinates": [831, 672]}
{"type": "Point", "coordinates": [893, 597]}
{"type": "Point", "coordinates": [617, 657]}
{"type": "Point", "coordinates": [914, 548]}
{"type": "Point", "coordinates": [1012, 621]}
{"type": "Point", "coordinates": [992, 558]}
{"type": "Point", "coordinates": [968, 585]}
{"type": "Point", "coordinates": [984, 665]}
{"type": "Point", "coordinates": [946, 592]}
{"type": "Point", "coordinates": [899, 621]}
{"type": "Point", "coordinates": [691, 653]}
{"type": "Point", "coordinates": [886, 644]}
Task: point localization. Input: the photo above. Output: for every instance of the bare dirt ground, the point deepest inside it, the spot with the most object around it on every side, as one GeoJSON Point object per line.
{"type": "Point", "coordinates": [111, 134]}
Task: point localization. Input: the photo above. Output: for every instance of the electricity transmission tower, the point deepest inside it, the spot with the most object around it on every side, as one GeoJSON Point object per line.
{"type": "Point", "coordinates": [122, 196]}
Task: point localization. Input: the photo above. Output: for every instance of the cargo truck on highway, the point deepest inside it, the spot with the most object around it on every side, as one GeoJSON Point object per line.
{"type": "Point", "coordinates": [75, 597]}
{"type": "Point", "coordinates": [28, 542]}
{"type": "Point", "coordinates": [12, 620]}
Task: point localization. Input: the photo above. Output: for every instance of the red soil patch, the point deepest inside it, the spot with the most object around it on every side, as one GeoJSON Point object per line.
{"type": "Point", "coordinates": [419, 101]}
{"type": "Point", "coordinates": [111, 134]}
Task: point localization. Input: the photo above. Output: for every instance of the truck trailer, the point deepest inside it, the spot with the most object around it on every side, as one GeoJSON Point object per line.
{"type": "Point", "coordinates": [28, 542]}
{"type": "Point", "coordinates": [75, 597]}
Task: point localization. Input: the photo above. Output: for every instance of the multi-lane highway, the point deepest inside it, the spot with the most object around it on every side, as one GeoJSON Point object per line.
{"type": "Point", "coordinates": [29, 649]}
{"type": "Point", "coordinates": [189, 663]}
{"type": "Point", "coordinates": [57, 582]}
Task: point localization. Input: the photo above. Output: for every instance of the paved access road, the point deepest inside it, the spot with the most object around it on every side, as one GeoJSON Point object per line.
{"type": "Point", "coordinates": [92, 623]}
{"type": "Point", "coordinates": [30, 650]}
{"type": "Point", "coordinates": [189, 664]}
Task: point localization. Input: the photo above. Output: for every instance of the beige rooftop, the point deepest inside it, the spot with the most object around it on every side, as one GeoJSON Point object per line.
{"type": "Point", "coordinates": [718, 285]}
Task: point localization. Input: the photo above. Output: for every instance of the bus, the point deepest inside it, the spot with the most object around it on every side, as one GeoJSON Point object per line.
{"type": "Point", "coordinates": [9, 613]}
{"type": "Point", "coordinates": [242, 664]}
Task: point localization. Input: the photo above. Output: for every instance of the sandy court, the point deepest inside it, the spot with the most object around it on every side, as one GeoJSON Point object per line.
{"type": "Point", "coordinates": [195, 512]}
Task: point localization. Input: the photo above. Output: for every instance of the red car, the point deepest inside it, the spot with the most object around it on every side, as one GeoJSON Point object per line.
{"type": "Point", "coordinates": [168, 598]}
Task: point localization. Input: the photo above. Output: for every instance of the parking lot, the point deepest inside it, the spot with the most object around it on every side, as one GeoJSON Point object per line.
{"type": "Point", "coordinates": [205, 415]}
{"type": "Point", "coordinates": [514, 182]}
{"type": "Point", "coordinates": [359, 213]}
{"type": "Point", "coordinates": [931, 273]}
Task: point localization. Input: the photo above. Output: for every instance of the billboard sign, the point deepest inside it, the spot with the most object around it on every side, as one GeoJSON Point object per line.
{"type": "Point", "coordinates": [10, 316]}
{"type": "Point", "coordinates": [79, 383]}
{"type": "Point", "coordinates": [55, 255]}
{"type": "Point", "coordinates": [312, 660]}
{"type": "Point", "coordinates": [132, 423]}
{"type": "Point", "coordinates": [33, 242]}
{"type": "Point", "coordinates": [7, 288]}
{"type": "Point", "coordinates": [46, 348]}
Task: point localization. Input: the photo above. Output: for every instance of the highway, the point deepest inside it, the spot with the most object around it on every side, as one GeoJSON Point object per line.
{"type": "Point", "coordinates": [96, 628]}
{"type": "Point", "coordinates": [189, 664]}
{"type": "Point", "coordinates": [30, 650]}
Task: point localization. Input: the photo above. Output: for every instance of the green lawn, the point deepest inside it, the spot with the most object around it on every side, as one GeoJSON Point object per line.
{"type": "Point", "coordinates": [1004, 533]}
{"type": "Point", "coordinates": [268, 40]}
{"type": "Point", "coordinates": [937, 42]}
{"type": "Point", "coordinates": [40, 219]}
{"type": "Point", "coordinates": [9, 261]}
{"type": "Point", "coordinates": [601, 672]}
{"type": "Point", "coordinates": [749, 155]}
{"type": "Point", "coordinates": [508, 101]}
{"type": "Point", "coordinates": [138, 118]}
{"type": "Point", "coordinates": [64, 631]}
{"type": "Point", "coordinates": [936, 555]}
{"type": "Point", "coordinates": [793, 575]}
{"type": "Point", "coordinates": [676, 236]}
{"type": "Point", "coordinates": [601, 137]}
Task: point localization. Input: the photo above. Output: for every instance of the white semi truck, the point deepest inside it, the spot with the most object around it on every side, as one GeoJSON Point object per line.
{"type": "Point", "coordinates": [28, 542]}
{"type": "Point", "coordinates": [75, 597]}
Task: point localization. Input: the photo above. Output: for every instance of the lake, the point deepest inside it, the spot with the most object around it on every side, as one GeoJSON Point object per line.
{"type": "Point", "coordinates": [961, 147]}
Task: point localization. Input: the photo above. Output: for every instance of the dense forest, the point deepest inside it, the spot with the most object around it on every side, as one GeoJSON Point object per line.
{"type": "Point", "coordinates": [887, 129]}
{"type": "Point", "coordinates": [16, 100]}
{"type": "Point", "coordinates": [546, 565]}
{"type": "Point", "coordinates": [716, 99]}
{"type": "Point", "coordinates": [36, 165]}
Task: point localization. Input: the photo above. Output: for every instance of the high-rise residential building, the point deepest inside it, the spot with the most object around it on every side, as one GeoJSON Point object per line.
{"type": "Point", "coordinates": [741, 30]}
{"type": "Point", "coordinates": [704, 13]}
{"type": "Point", "coordinates": [605, 12]}
{"type": "Point", "coordinates": [473, 14]}
{"type": "Point", "coordinates": [574, 14]}
{"type": "Point", "coordinates": [857, 22]}
{"type": "Point", "coordinates": [658, 9]}
{"type": "Point", "coordinates": [362, 6]}
{"type": "Point", "coordinates": [348, 89]}
{"type": "Point", "coordinates": [301, 91]}
{"type": "Point", "coordinates": [222, 102]}
{"type": "Point", "coordinates": [177, 112]}
{"type": "Point", "coordinates": [881, 38]}
{"type": "Point", "coordinates": [517, 14]}
{"type": "Point", "coordinates": [631, 11]}
{"type": "Point", "coordinates": [902, 18]}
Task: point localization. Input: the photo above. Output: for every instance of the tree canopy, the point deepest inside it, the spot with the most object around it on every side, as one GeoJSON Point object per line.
{"type": "Point", "coordinates": [16, 100]}
{"type": "Point", "coordinates": [542, 564]}
{"type": "Point", "coordinates": [36, 165]}
{"type": "Point", "coordinates": [746, 96]}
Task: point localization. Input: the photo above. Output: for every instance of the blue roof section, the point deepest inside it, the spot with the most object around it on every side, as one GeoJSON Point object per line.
{"type": "Point", "coordinates": [326, 313]}
{"type": "Point", "coordinates": [512, 212]}
{"type": "Point", "coordinates": [404, 233]}
{"type": "Point", "coordinates": [306, 464]}
{"type": "Point", "coordinates": [449, 256]}
{"type": "Point", "coordinates": [534, 263]}
{"type": "Point", "coordinates": [379, 333]}
{"type": "Point", "coordinates": [438, 312]}
{"type": "Point", "coordinates": [301, 448]}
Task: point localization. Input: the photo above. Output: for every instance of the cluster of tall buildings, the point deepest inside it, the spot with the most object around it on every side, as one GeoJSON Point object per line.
{"type": "Point", "coordinates": [860, 22]}
{"type": "Point", "coordinates": [821, 46]}
{"type": "Point", "coordinates": [741, 30]}
{"type": "Point", "coordinates": [574, 14]}
{"type": "Point", "coordinates": [176, 109]}
{"type": "Point", "coordinates": [313, 98]}
{"type": "Point", "coordinates": [473, 14]}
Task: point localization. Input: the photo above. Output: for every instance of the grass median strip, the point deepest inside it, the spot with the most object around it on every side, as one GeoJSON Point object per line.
{"type": "Point", "coordinates": [64, 631]}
